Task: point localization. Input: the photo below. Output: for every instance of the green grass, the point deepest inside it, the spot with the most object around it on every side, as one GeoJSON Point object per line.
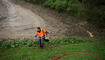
{"type": "Point", "coordinates": [35, 53]}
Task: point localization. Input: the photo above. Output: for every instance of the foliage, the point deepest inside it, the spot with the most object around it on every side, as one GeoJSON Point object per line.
{"type": "Point", "coordinates": [49, 3]}
{"type": "Point", "coordinates": [17, 43]}
{"type": "Point", "coordinates": [35, 1]}
{"type": "Point", "coordinates": [59, 5]}
{"type": "Point", "coordinates": [75, 8]}
{"type": "Point", "coordinates": [34, 43]}
{"type": "Point", "coordinates": [95, 11]}
{"type": "Point", "coordinates": [68, 40]}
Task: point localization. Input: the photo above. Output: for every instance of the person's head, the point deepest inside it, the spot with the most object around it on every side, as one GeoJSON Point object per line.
{"type": "Point", "coordinates": [38, 29]}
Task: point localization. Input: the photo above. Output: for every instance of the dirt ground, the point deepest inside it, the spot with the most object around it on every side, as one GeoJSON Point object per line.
{"type": "Point", "coordinates": [18, 20]}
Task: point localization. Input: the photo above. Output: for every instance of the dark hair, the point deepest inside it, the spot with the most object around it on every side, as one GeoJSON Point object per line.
{"type": "Point", "coordinates": [38, 28]}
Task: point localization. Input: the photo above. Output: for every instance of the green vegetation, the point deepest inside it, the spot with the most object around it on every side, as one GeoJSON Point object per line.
{"type": "Point", "coordinates": [24, 53]}
{"type": "Point", "coordinates": [73, 7]}
{"type": "Point", "coordinates": [35, 1]}
{"type": "Point", "coordinates": [29, 50]}
{"type": "Point", "coordinates": [34, 43]}
{"type": "Point", "coordinates": [90, 10]}
{"type": "Point", "coordinates": [95, 12]}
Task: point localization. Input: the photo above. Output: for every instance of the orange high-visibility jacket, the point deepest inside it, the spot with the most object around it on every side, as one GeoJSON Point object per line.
{"type": "Point", "coordinates": [43, 31]}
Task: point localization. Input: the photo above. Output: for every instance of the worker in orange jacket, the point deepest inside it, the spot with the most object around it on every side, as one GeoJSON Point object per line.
{"type": "Point", "coordinates": [42, 34]}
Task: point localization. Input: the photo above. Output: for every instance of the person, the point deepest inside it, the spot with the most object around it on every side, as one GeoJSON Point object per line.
{"type": "Point", "coordinates": [42, 34]}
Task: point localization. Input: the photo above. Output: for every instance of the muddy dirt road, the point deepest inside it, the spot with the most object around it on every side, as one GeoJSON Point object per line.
{"type": "Point", "coordinates": [19, 19]}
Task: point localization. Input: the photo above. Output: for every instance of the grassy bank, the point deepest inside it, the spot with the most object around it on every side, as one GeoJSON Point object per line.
{"type": "Point", "coordinates": [25, 53]}
{"type": "Point", "coordinates": [54, 49]}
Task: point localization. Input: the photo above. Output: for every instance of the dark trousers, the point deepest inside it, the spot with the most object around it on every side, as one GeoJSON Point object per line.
{"type": "Point", "coordinates": [41, 41]}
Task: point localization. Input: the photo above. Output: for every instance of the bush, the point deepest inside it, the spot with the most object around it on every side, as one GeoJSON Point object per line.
{"type": "Point", "coordinates": [68, 40]}
{"type": "Point", "coordinates": [33, 43]}
{"type": "Point", "coordinates": [95, 12]}
{"type": "Point", "coordinates": [49, 3]}
{"type": "Point", "coordinates": [75, 8]}
{"type": "Point", "coordinates": [18, 43]}
{"type": "Point", "coordinates": [35, 1]}
{"type": "Point", "coordinates": [60, 5]}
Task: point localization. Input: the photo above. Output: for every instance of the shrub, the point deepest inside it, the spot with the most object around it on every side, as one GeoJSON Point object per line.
{"type": "Point", "coordinates": [60, 5]}
{"type": "Point", "coordinates": [18, 43]}
{"type": "Point", "coordinates": [33, 43]}
{"type": "Point", "coordinates": [68, 40]}
{"type": "Point", "coordinates": [49, 3]}
{"type": "Point", "coordinates": [35, 1]}
{"type": "Point", "coordinates": [75, 8]}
